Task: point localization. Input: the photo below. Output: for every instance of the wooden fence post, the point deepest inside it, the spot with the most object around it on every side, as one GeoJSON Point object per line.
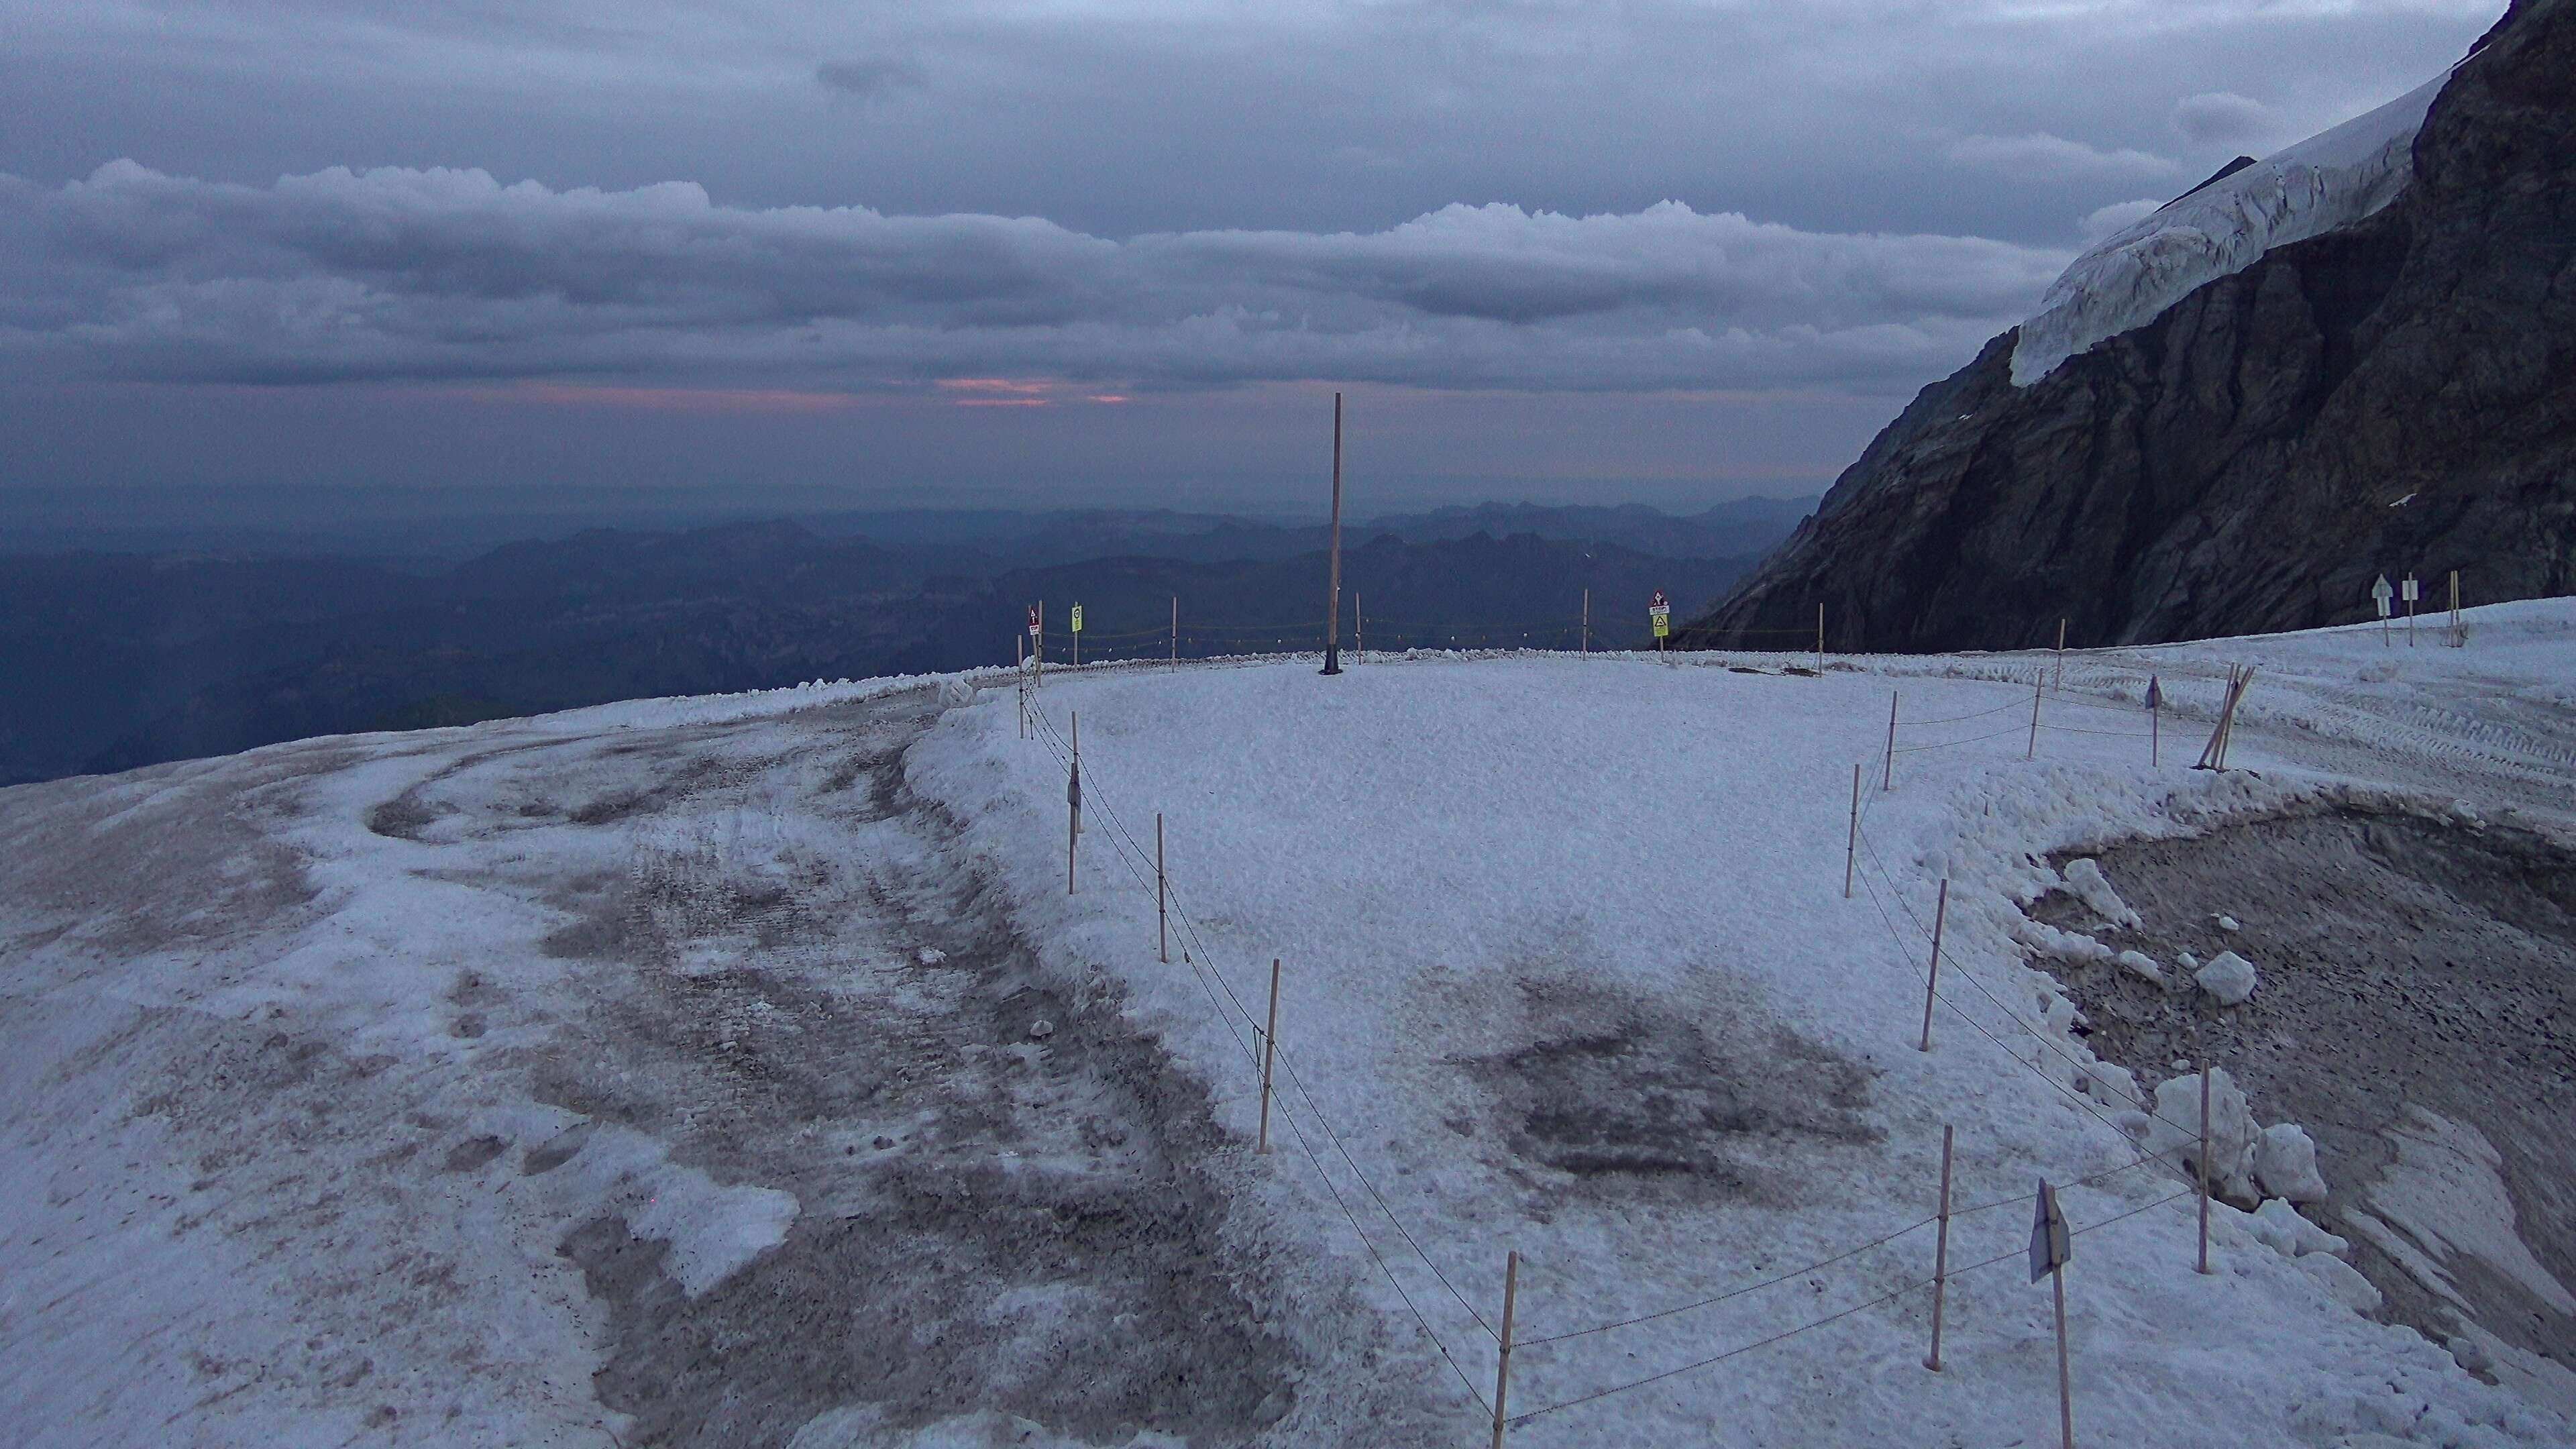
{"type": "Point", "coordinates": [2060, 685]}
{"type": "Point", "coordinates": [1941, 1256]}
{"type": "Point", "coordinates": [1503, 1360]}
{"type": "Point", "coordinates": [2065, 1379]}
{"type": "Point", "coordinates": [1940, 916]}
{"type": "Point", "coordinates": [1162, 917]}
{"type": "Point", "coordinates": [1851, 851]}
{"type": "Point", "coordinates": [1820, 638]}
{"type": "Point", "coordinates": [2036, 680]}
{"type": "Point", "coordinates": [1887, 780]}
{"type": "Point", "coordinates": [1269, 1053]}
{"type": "Point", "coordinates": [1587, 621]}
{"type": "Point", "coordinates": [1176, 628]}
{"type": "Point", "coordinates": [2204, 1164]}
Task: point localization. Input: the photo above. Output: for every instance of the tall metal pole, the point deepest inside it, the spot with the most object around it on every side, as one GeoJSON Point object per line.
{"type": "Point", "coordinates": [1333, 610]}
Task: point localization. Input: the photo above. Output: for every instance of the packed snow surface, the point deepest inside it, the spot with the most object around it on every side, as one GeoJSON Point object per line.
{"type": "Point", "coordinates": [345, 1113]}
{"type": "Point", "coordinates": [2130, 277]}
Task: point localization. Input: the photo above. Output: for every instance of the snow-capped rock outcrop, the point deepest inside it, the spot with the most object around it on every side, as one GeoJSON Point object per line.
{"type": "Point", "coordinates": [2357, 358]}
{"type": "Point", "coordinates": [2328, 181]}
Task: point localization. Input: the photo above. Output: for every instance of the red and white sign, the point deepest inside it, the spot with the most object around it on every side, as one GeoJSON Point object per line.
{"type": "Point", "coordinates": [1033, 621]}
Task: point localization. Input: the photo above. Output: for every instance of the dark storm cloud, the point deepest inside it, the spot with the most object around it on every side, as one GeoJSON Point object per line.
{"type": "Point", "coordinates": [1117, 117]}
{"type": "Point", "coordinates": [1163, 197]}
{"type": "Point", "coordinates": [445, 273]}
{"type": "Point", "coordinates": [2224, 118]}
{"type": "Point", "coordinates": [868, 80]}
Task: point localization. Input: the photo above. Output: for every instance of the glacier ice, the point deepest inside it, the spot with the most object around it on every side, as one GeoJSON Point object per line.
{"type": "Point", "coordinates": [2130, 277]}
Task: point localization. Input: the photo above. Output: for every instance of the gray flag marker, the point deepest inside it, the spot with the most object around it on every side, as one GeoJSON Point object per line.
{"type": "Point", "coordinates": [2047, 1235]}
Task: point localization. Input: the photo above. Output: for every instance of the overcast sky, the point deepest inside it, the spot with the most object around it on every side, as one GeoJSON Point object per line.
{"type": "Point", "coordinates": [1083, 251]}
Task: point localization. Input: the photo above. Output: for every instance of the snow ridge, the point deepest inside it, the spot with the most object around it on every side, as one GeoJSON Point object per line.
{"type": "Point", "coordinates": [2322, 184]}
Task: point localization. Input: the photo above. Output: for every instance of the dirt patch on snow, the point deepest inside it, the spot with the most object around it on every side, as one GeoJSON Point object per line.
{"type": "Point", "coordinates": [2413, 969]}
{"type": "Point", "coordinates": [1623, 1093]}
{"type": "Point", "coordinates": [984, 1221]}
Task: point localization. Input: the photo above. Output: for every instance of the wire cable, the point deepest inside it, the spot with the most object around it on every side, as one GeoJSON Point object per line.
{"type": "Point", "coordinates": [1521, 1420]}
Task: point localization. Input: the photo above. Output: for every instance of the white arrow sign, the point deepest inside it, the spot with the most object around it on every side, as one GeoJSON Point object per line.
{"type": "Point", "coordinates": [2381, 593]}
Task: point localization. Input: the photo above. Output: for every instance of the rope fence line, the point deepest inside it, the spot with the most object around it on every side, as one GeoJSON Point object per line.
{"type": "Point", "coordinates": [1954, 744]}
{"type": "Point", "coordinates": [2061, 1088]}
{"type": "Point", "coordinates": [1126, 843]}
{"type": "Point", "coordinates": [1997, 1002]}
{"type": "Point", "coordinates": [1522, 1420]}
{"type": "Point", "coordinates": [1956, 718]}
{"type": "Point", "coordinates": [1213, 980]}
{"type": "Point", "coordinates": [1056, 745]}
{"type": "Point", "coordinates": [1786, 1275]}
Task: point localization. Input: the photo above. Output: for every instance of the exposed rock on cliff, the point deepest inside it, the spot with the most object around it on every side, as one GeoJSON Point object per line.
{"type": "Point", "coordinates": [2394, 394]}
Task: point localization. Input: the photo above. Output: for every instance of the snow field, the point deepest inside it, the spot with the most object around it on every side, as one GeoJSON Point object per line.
{"type": "Point", "coordinates": [341, 1004]}
{"type": "Point", "coordinates": [1620, 881]}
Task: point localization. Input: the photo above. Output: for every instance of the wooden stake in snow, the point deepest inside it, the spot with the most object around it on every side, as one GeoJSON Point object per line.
{"type": "Point", "coordinates": [2213, 756]}
{"type": "Point", "coordinates": [1820, 638]}
{"type": "Point", "coordinates": [1941, 1256]}
{"type": "Point", "coordinates": [1503, 1360]}
{"type": "Point", "coordinates": [1269, 1054]}
{"type": "Point", "coordinates": [1931, 978]}
{"type": "Point", "coordinates": [1020, 662]}
{"type": "Point", "coordinates": [1162, 918]}
{"type": "Point", "coordinates": [1887, 779]}
{"type": "Point", "coordinates": [1075, 720]}
{"type": "Point", "coordinates": [2060, 685]}
{"type": "Point", "coordinates": [2048, 1255]}
{"type": "Point", "coordinates": [1359, 627]}
{"type": "Point", "coordinates": [1851, 852]}
{"type": "Point", "coordinates": [1037, 639]}
{"type": "Point", "coordinates": [2204, 1164]}
{"type": "Point", "coordinates": [1587, 621]}
{"type": "Point", "coordinates": [2036, 681]}
{"type": "Point", "coordinates": [1073, 814]}
{"type": "Point", "coordinates": [2459, 640]}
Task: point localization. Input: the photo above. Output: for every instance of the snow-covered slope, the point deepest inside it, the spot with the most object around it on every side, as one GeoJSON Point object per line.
{"type": "Point", "coordinates": [2328, 181]}
{"type": "Point", "coordinates": [743, 1072]}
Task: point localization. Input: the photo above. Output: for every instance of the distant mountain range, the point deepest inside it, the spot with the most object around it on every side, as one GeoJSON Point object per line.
{"type": "Point", "coordinates": [113, 660]}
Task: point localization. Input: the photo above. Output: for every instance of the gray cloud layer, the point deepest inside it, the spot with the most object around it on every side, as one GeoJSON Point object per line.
{"type": "Point", "coordinates": [398, 273]}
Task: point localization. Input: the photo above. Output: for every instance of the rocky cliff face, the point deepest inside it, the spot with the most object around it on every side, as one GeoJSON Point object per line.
{"type": "Point", "coordinates": [2396, 395]}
